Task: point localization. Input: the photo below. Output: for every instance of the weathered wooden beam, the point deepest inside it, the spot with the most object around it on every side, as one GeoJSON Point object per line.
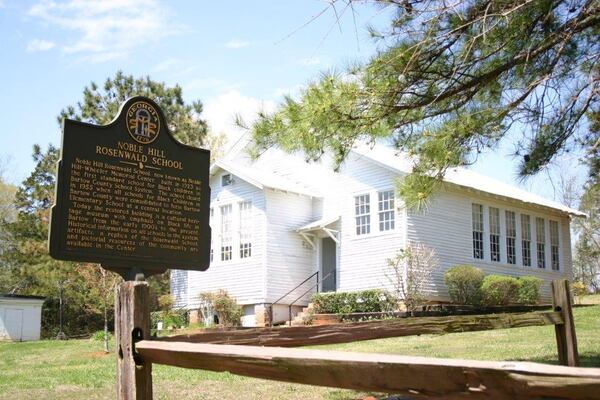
{"type": "Point", "coordinates": [566, 339]}
{"type": "Point", "coordinates": [132, 323]}
{"type": "Point", "coordinates": [417, 377]}
{"type": "Point", "coordinates": [355, 331]}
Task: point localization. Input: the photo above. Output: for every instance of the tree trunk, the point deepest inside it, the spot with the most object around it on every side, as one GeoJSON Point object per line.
{"type": "Point", "coordinates": [105, 328]}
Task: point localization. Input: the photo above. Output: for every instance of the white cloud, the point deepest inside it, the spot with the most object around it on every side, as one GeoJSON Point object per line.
{"type": "Point", "coordinates": [220, 112]}
{"type": "Point", "coordinates": [109, 29]}
{"type": "Point", "coordinates": [39, 45]}
{"type": "Point", "coordinates": [237, 44]}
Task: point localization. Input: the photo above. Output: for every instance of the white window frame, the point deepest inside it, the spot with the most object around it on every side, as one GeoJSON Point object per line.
{"type": "Point", "coordinates": [527, 239]}
{"type": "Point", "coordinates": [362, 214]}
{"type": "Point", "coordinates": [540, 240]}
{"type": "Point", "coordinates": [386, 210]}
{"type": "Point", "coordinates": [495, 233]}
{"type": "Point", "coordinates": [554, 245]}
{"type": "Point", "coordinates": [226, 248]}
{"type": "Point", "coordinates": [246, 211]}
{"type": "Point", "coordinates": [211, 222]}
{"type": "Point", "coordinates": [511, 236]}
{"type": "Point", "coordinates": [478, 227]}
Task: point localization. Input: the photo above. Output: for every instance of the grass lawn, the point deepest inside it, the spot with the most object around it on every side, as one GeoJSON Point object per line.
{"type": "Point", "coordinates": [77, 369]}
{"type": "Point", "coordinates": [588, 299]}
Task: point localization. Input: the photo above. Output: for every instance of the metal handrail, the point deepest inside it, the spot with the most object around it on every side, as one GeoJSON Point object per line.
{"type": "Point", "coordinates": [303, 294]}
{"type": "Point", "coordinates": [287, 294]}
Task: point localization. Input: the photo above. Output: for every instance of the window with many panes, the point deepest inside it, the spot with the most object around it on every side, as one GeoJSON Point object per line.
{"type": "Point", "coordinates": [540, 238]}
{"type": "Point", "coordinates": [210, 222]}
{"type": "Point", "coordinates": [526, 239]}
{"type": "Point", "coordinates": [477, 216]}
{"type": "Point", "coordinates": [495, 234]}
{"type": "Point", "coordinates": [554, 246]}
{"type": "Point", "coordinates": [362, 212]}
{"type": "Point", "coordinates": [386, 210]}
{"type": "Point", "coordinates": [511, 237]}
{"type": "Point", "coordinates": [226, 236]}
{"type": "Point", "coordinates": [245, 229]}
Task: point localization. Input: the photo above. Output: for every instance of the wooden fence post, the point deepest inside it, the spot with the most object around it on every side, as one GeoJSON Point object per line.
{"type": "Point", "coordinates": [566, 340]}
{"type": "Point", "coordinates": [132, 324]}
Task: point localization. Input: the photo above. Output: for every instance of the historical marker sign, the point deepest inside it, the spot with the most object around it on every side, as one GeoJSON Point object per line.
{"type": "Point", "coordinates": [130, 197]}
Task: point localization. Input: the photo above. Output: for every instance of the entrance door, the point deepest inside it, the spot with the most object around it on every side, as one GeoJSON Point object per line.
{"type": "Point", "coordinates": [328, 264]}
{"type": "Point", "coordinates": [14, 323]}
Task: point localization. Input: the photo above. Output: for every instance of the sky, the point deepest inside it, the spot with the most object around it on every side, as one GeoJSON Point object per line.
{"type": "Point", "coordinates": [237, 57]}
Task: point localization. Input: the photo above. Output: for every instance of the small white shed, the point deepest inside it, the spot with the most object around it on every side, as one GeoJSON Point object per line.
{"type": "Point", "coordinates": [20, 317]}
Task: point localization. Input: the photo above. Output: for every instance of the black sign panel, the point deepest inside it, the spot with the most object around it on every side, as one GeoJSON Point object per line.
{"type": "Point", "coordinates": [129, 196]}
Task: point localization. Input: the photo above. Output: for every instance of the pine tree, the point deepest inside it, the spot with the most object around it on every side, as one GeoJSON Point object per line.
{"type": "Point", "coordinates": [26, 265]}
{"type": "Point", "coordinates": [453, 79]}
{"type": "Point", "coordinates": [101, 104]}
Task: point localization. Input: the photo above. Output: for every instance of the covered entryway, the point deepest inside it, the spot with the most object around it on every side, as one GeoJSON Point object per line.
{"type": "Point", "coordinates": [328, 265]}
{"type": "Point", "coordinates": [322, 236]}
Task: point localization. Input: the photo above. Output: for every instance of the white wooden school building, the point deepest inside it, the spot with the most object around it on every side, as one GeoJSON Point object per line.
{"type": "Point", "coordinates": [278, 220]}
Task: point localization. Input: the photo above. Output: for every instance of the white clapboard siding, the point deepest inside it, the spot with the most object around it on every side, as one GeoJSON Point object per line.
{"type": "Point", "coordinates": [446, 226]}
{"type": "Point", "coordinates": [281, 258]}
{"type": "Point", "coordinates": [242, 278]}
{"type": "Point", "coordinates": [289, 261]}
{"type": "Point", "coordinates": [362, 259]}
{"type": "Point", "coordinates": [178, 282]}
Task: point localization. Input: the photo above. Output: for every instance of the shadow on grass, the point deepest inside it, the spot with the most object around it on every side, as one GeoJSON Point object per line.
{"type": "Point", "coordinates": [588, 359]}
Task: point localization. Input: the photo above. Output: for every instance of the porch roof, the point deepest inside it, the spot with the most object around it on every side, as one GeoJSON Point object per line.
{"type": "Point", "coordinates": [318, 224]}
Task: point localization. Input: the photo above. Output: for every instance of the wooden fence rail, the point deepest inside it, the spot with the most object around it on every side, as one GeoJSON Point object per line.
{"type": "Point", "coordinates": [355, 331]}
{"type": "Point", "coordinates": [417, 377]}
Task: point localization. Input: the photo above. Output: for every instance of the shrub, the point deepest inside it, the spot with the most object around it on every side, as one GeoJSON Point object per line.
{"type": "Point", "coordinates": [373, 300]}
{"type": "Point", "coordinates": [98, 336]}
{"type": "Point", "coordinates": [529, 290]}
{"type": "Point", "coordinates": [578, 289]}
{"type": "Point", "coordinates": [225, 306]}
{"type": "Point", "coordinates": [464, 284]}
{"type": "Point", "coordinates": [499, 290]}
{"type": "Point", "coordinates": [174, 318]}
{"type": "Point", "coordinates": [409, 272]}
{"type": "Point", "coordinates": [165, 302]}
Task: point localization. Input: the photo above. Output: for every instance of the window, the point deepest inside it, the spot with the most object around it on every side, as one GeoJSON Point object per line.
{"type": "Point", "coordinates": [511, 237]}
{"type": "Point", "coordinates": [210, 222]}
{"type": "Point", "coordinates": [526, 239]}
{"type": "Point", "coordinates": [495, 234]}
{"type": "Point", "coordinates": [554, 245]}
{"type": "Point", "coordinates": [477, 215]}
{"type": "Point", "coordinates": [226, 180]}
{"type": "Point", "coordinates": [540, 237]}
{"type": "Point", "coordinates": [362, 211]}
{"type": "Point", "coordinates": [386, 210]}
{"type": "Point", "coordinates": [245, 229]}
{"type": "Point", "coordinates": [226, 237]}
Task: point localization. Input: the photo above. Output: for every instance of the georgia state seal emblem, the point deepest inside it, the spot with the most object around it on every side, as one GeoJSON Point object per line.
{"type": "Point", "coordinates": [143, 123]}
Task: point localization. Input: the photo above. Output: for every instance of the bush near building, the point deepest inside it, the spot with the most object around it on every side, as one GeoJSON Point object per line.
{"type": "Point", "coordinates": [221, 303]}
{"type": "Point", "coordinates": [529, 290]}
{"type": "Point", "coordinates": [467, 285]}
{"type": "Point", "coordinates": [499, 290]}
{"type": "Point", "coordinates": [374, 300]}
{"type": "Point", "coordinates": [464, 284]}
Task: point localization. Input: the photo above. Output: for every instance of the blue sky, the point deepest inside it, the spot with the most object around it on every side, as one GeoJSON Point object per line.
{"type": "Point", "coordinates": [235, 56]}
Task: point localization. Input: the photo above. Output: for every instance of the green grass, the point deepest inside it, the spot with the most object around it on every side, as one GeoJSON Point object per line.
{"type": "Point", "coordinates": [78, 369]}
{"type": "Point", "coordinates": [588, 299]}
